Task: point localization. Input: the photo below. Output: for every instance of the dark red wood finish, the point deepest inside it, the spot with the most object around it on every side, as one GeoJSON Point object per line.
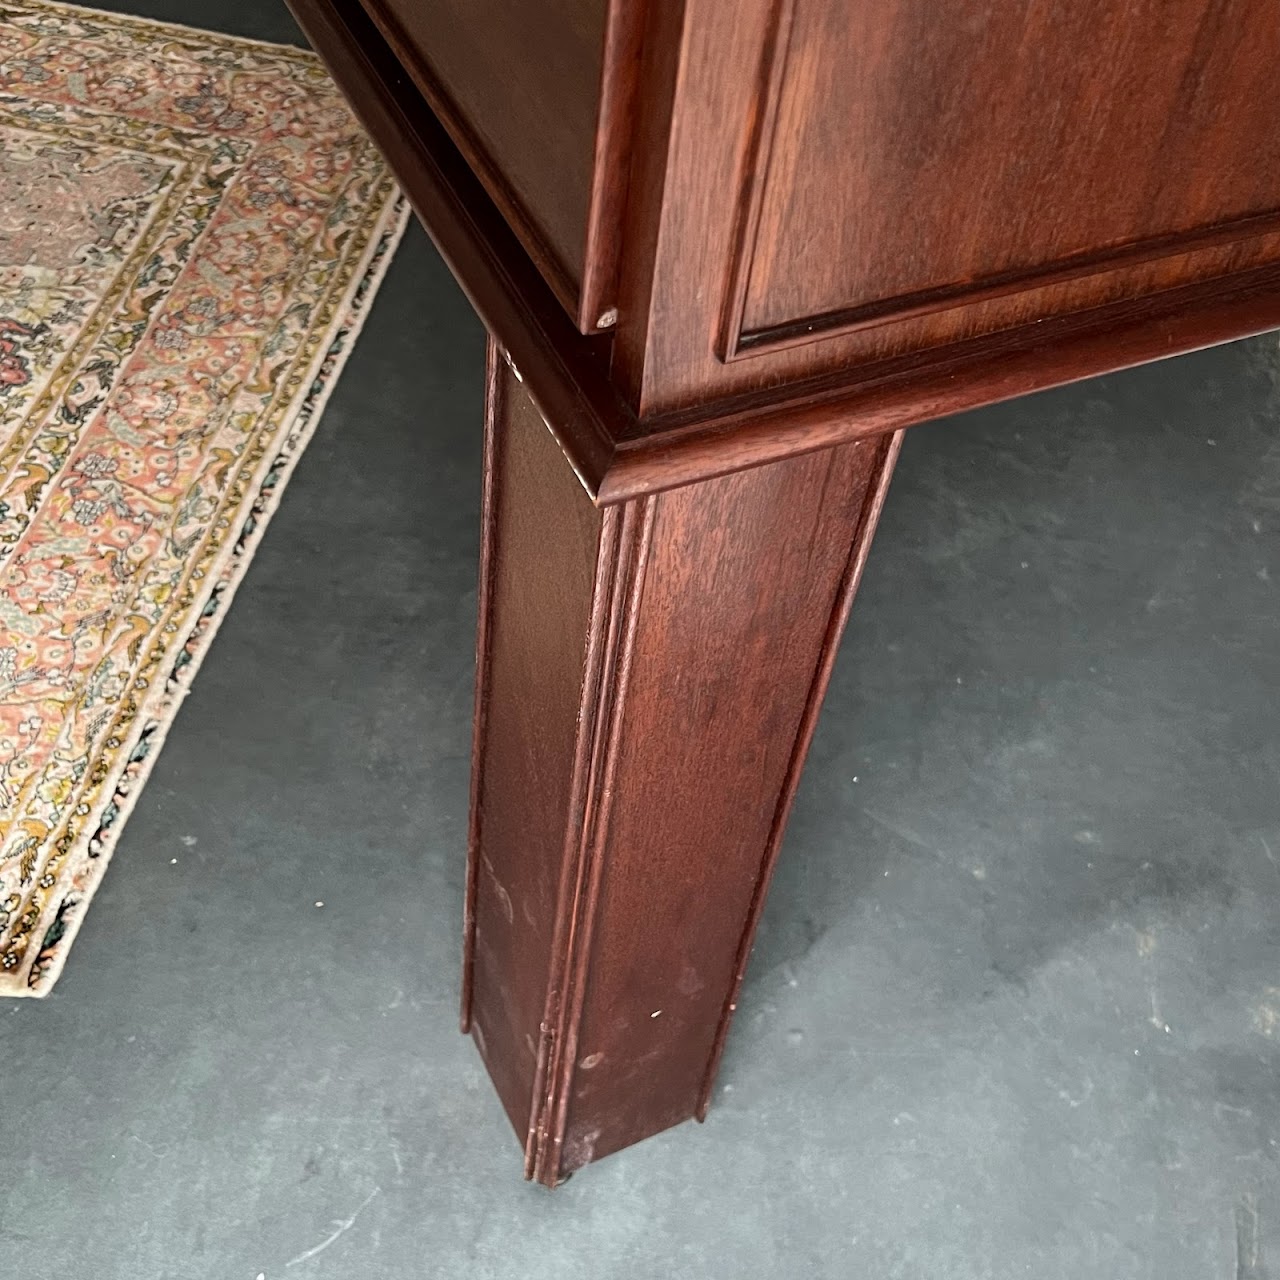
{"type": "Point", "coordinates": [517, 86]}
{"type": "Point", "coordinates": [813, 401]}
{"type": "Point", "coordinates": [538, 99]}
{"type": "Point", "coordinates": [650, 677]}
{"type": "Point", "coordinates": [815, 224]}
{"type": "Point", "coordinates": [1034, 144]}
{"type": "Point", "coordinates": [836, 185]}
{"type": "Point", "coordinates": [541, 610]}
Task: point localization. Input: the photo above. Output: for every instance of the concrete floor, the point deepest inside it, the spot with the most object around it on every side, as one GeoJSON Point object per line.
{"type": "Point", "coordinates": [1015, 1010]}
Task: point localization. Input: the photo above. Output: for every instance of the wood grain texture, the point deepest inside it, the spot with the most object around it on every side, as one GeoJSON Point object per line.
{"type": "Point", "coordinates": [538, 98]}
{"type": "Point", "coordinates": [541, 603]}
{"type": "Point", "coordinates": [567, 374]}
{"type": "Point", "coordinates": [754, 428]}
{"type": "Point", "coordinates": [725, 417]}
{"type": "Point", "coordinates": [817, 223]}
{"type": "Point", "coordinates": [518, 87]}
{"type": "Point", "coordinates": [902, 197]}
{"type": "Point", "coordinates": [1015, 144]}
{"type": "Point", "coordinates": [653, 676]}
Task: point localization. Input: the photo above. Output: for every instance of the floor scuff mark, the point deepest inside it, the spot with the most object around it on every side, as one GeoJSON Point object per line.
{"type": "Point", "coordinates": [1248, 1240]}
{"type": "Point", "coordinates": [342, 1225]}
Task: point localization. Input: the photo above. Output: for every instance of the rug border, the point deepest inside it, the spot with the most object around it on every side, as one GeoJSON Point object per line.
{"type": "Point", "coordinates": [389, 230]}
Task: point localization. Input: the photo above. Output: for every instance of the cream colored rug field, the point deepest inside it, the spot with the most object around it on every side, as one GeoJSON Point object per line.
{"type": "Point", "coordinates": [191, 229]}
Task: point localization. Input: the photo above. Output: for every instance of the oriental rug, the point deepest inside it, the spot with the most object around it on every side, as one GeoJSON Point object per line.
{"type": "Point", "coordinates": [192, 228]}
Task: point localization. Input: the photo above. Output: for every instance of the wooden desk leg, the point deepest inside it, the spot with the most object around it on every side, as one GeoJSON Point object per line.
{"type": "Point", "coordinates": [649, 679]}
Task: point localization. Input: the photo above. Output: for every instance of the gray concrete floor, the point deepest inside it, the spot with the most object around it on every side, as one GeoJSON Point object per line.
{"type": "Point", "coordinates": [1015, 1010]}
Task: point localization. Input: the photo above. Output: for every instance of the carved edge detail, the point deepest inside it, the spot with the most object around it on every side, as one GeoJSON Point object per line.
{"type": "Point", "coordinates": [625, 538]}
{"type": "Point", "coordinates": [949, 297]}
{"type": "Point", "coordinates": [618, 457]}
{"type": "Point", "coordinates": [754, 179]}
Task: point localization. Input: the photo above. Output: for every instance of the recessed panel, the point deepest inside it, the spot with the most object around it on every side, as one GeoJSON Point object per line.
{"type": "Point", "coordinates": [920, 154]}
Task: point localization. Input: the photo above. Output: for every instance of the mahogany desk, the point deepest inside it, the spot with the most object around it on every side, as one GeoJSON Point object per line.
{"type": "Point", "coordinates": [726, 250]}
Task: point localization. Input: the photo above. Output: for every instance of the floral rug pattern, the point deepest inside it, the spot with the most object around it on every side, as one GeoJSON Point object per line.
{"type": "Point", "coordinates": [191, 228]}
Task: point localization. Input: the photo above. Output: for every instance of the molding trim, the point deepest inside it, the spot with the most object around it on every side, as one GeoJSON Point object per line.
{"type": "Point", "coordinates": [610, 171]}
{"type": "Point", "coordinates": [754, 181]}
{"type": "Point", "coordinates": [923, 302]}
{"type": "Point", "coordinates": [621, 560]}
{"type": "Point", "coordinates": [737, 342]}
{"type": "Point", "coordinates": [731, 435]}
{"type": "Point", "coordinates": [618, 456]}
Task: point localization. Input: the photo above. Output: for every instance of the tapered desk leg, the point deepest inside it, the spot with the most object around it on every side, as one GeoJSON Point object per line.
{"type": "Point", "coordinates": [649, 678]}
